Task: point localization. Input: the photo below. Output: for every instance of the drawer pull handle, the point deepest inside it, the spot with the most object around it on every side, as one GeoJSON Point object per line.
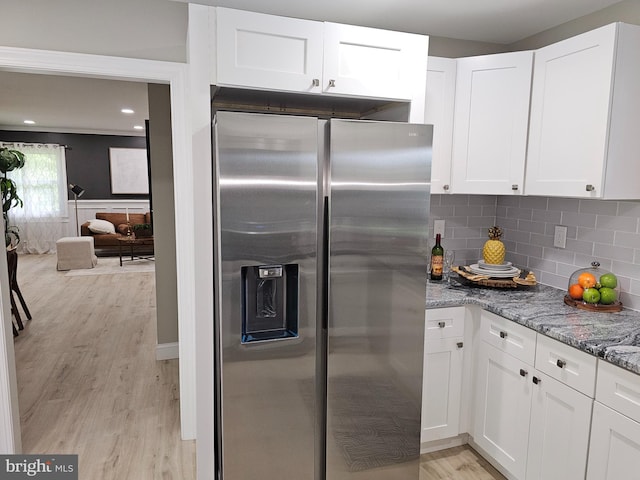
{"type": "Point", "coordinates": [460, 344]}
{"type": "Point", "coordinates": [590, 188]}
{"type": "Point", "coordinates": [514, 187]}
{"type": "Point", "coordinates": [316, 82]}
{"type": "Point", "coordinates": [561, 363]}
{"type": "Point", "coordinates": [523, 372]}
{"type": "Point", "coordinates": [441, 324]}
{"type": "Point", "coordinates": [503, 334]}
{"type": "Point", "coordinates": [332, 83]}
{"type": "Point", "coordinates": [537, 380]}
{"type": "Point", "coordinates": [445, 187]}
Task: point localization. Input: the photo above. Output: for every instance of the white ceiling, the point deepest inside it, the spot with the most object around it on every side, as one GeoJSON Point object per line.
{"type": "Point", "coordinates": [85, 105]}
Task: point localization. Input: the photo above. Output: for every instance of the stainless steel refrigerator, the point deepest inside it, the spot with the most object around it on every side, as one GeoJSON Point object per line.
{"type": "Point", "coordinates": [320, 237]}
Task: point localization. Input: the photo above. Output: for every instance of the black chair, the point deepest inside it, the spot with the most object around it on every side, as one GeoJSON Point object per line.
{"type": "Point", "coordinates": [12, 264]}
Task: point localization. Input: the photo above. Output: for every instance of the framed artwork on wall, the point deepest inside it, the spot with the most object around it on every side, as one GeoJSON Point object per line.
{"type": "Point", "coordinates": [129, 170]}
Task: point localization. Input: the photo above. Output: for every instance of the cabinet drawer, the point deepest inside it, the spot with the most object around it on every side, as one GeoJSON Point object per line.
{"type": "Point", "coordinates": [566, 364]}
{"type": "Point", "coordinates": [619, 389]}
{"type": "Point", "coordinates": [508, 336]}
{"type": "Point", "coordinates": [444, 323]}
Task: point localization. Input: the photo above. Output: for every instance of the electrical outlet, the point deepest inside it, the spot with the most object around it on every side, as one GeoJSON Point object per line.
{"type": "Point", "coordinates": [560, 237]}
{"type": "Point", "coordinates": [438, 227]}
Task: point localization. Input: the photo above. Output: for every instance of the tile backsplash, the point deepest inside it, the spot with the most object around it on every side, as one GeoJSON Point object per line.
{"type": "Point", "coordinates": [602, 230]}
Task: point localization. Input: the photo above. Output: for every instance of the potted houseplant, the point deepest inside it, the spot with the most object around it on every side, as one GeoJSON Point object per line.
{"type": "Point", "coordinates": [10, 160]}
{"type": "Point", "coordinates": [143, 230]}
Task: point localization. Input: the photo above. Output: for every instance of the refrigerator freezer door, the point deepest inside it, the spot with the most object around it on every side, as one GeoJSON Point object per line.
{"type": "Point", "coordinates": [379, 205]}
{"type": "Point", "coordinates": [266, 184]}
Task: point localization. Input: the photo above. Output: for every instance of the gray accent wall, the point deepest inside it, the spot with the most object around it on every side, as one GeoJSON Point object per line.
{"type": "Point", "coordinates": [164, 228]}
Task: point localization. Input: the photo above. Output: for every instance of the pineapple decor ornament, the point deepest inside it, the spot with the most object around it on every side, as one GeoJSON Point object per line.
{"type": "Point", "coordinates": [494, 251]}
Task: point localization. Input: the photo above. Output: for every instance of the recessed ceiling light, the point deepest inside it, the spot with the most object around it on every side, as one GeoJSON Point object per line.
{"type": "Point", "coordinates": [127, 110]}
{"type": "Point", "coordinates": [138, 127]}
{"type": "Point", "coordinates": [29, 122]}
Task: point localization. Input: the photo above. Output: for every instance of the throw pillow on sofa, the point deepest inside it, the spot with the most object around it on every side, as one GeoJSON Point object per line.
{"type": "Point", "coordinates": [101, 226]}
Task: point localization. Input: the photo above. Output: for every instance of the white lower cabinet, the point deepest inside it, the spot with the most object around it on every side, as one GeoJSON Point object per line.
{"type": "Point", "coordinates": [532, 425]}
{"type": "Point", "coordinates": [442, 373]}
{"type": "Point", "coordinates": [503, 408]}
{"type": "Point", "coordinates": [614, 453]}
{"type": "Point", "coordinates": [558, 431]}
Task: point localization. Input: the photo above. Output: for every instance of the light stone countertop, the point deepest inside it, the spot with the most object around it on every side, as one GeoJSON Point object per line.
{"type": "Point", "coordinates": [614, 337]}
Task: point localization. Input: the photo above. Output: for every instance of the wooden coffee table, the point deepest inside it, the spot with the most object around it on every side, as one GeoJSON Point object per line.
{"type": "Point", "coordinates": [135, 245]}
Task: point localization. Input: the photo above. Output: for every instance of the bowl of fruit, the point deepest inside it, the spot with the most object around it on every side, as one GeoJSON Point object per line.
{"type": "Point", "coordinates": [593, 289]}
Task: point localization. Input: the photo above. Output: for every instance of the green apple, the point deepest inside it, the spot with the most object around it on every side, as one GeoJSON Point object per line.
{"type": "Point", "coordinates": [607, 295]}
{"type": "Point", "coordinates": [591, 295]}
{"type": "Point", "coordinates": [609, 280]}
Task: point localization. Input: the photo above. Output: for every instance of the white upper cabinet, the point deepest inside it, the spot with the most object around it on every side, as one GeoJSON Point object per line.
{"type": "Point", "coordinates": [372, 63]}
{"type": "Point", "coordinates": [585, 111]}
{"type": "Point", "coordinates": [439, 102]}
{"type": "Point", "coordinates": [490, 123]}
{"type": "Point", "coordinates": [268, 52]}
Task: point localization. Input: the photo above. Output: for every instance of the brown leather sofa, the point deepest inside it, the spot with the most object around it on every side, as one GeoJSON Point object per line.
{"type": "Point", "coordinates": [109, 241]}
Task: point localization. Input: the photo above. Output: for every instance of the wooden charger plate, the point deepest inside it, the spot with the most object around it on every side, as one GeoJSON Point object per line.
{"type": "Point", "coordinates": [592, 307]}
{"type": "Point", "coordinates": [486, 281]}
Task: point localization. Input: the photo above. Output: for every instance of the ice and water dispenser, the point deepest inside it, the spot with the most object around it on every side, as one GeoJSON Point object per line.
{"type": "Point", "coordinates": [269, 302]}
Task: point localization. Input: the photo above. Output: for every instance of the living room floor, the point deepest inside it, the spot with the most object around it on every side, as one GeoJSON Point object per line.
{"type": "Point", "coordinates": [88, 380]}
{"type": "Point", "coordinates": [89, 383]}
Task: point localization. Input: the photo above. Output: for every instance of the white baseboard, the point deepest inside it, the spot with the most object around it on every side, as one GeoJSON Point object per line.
{"type": "Point", "coordinates": [437, 445]}
{"type": "Point", "coordinates": [167, 351]}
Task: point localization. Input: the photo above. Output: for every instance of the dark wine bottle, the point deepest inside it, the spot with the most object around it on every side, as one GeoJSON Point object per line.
{"type": "Point", "coordinates": [437, 257]}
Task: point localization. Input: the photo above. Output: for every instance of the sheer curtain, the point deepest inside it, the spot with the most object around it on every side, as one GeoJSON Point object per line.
{"type": "Point", "coordinates": [42, 186]}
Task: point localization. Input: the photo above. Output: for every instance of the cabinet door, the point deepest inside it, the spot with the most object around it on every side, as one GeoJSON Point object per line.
{"type": "Point", "coordinates": [490, 123]}
{"type": "Point", "coordinates": [559, 431]}
{"type": "Point", "coordinates": [439, 103]}
{"type": "Point", "coordinates": [502, 408]}
{"type": "Point", "coordinates": [442, 383]}
{"type": "Point", "coordinates": [269, 52]}
{"type": "Point", "coordinates": [368, 62]}
{"type": "Point", "coordinates": [614, 452]}
{"type": "Point", "coordinates": [569, 115]}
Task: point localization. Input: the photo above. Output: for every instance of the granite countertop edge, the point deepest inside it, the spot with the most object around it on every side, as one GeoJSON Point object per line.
{"type": "Point", "coordinates": [612, 337]}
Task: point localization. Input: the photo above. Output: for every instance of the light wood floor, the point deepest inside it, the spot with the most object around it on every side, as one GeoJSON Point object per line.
{"type": "Point", "coordinates": [458, 463]}
{"type": "Point", "coordinates": [88, 380]}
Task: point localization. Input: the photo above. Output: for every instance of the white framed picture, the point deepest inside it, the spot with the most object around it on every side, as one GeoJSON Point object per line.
{"type": "Point", "coordinates": [129, 170]}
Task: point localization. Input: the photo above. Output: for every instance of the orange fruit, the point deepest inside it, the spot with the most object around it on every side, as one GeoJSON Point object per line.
{"type": "Point", "coordinates": [575, 291]}
{"type": "Point", "coordinates": [586, 280]}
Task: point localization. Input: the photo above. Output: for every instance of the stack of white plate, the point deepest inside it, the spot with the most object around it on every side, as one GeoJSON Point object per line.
{"type": "Point", "coordinates": [501, 270]}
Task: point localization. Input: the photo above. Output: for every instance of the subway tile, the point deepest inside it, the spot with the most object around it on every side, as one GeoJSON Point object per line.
{"type": "Point", "coordinates": [595, 235]}
{"type": "Point", "coordinates": [510, 246]}
{"type": "Point", "coordinates": [584, 261]}
{"type": "Point", "coordinates": [543, 265]}
{"type": "Point", "coordinates": [599, 207]}
{"type": "Point", "coordinates": [629, 209]}
{"type": "Point", "coordinates": [530, 250]}
{"type": "Point", "coordinates": [489, 210]}
{"type": "Point", "coordinates": [542, 240]}
{"type": "Point", "coordinates": [508, 201]}
{"type": "Point", "coordinates": [518, 259]}
{"type": "Point", "coordinates": [484, 200]}
{"type": "Point", "coordinates": [553, 280]}
{"type": "Point", "coordinates": [533, 227]}
{"type": "Point", "coordinates": [579, 219]}
{"type": "Point", "coordinates": [634, 287]}
{"type": "Point", "coordinates": [507, 223]}
{"type": "Point", "coordinates": [442, 211]}
{"type": "Point", "coordinates": [517, 236]}
{"type": "Point", "coordinates": [536, 203]}
{"type": "Point", "coordinates": [620, 254]}
{"type": "Point", "coordinates": [519, 213]}
{"type": "Point", "coordinates": [479, 221]}
{"type": "Point", "coordinates": [467, 210]}
{"type": "Point", "coordinates": [501, 211]}
{"type": "Point", "coordinates": [579, 246]}
{"type": "Point", "coordinates": [626, 270]}
{"type": "Point", "coordinates": [631, 301]}
{"type": "Point", "coordinates": [622, 224]}
{"type": "Point", "coordinates": [564, 204]}
{"type": "Point", "coordinates": [454, 200]}
{"type": "Point", "coordinates": [566, 270]}
{"type": "Point", "coordinates": [434, 200]}
{"type": "Point", "coordinates": [550, 216]}
{"type": "Point", "coordinates": [559, 255]}
{"type": "Point", "coordinates": [623, 239]}
{"type": "Point", "coordinates": [454, 243]}
{"type": "Point", "coordinates": [467, 232]}
{"type": "Point", "coordinates": [476, 243]}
